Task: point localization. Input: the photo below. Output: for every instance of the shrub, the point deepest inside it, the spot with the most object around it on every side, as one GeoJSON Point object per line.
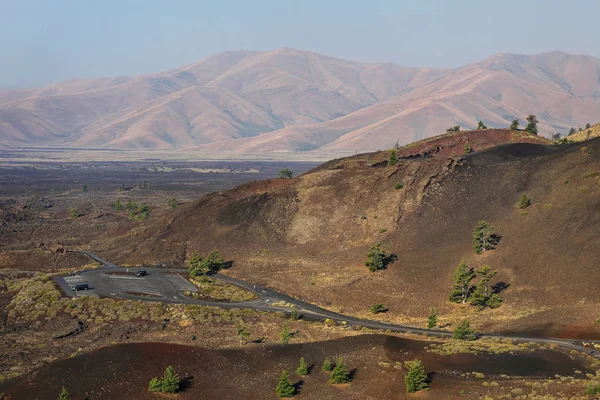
{"type": "Point", "coordinates": [393, 158]}
{"type": "Point", "coordinates": [327, 365]}
{"type": "Point", "coordinates": [284, 387]}
{"type": "Point", "coordinates": [285, 174]}
{"type": "Point", "coordinates": [455, 128]}
{"type": "Point", "coordinates": [524, 202]}
{"type": "Point", "coordinates": [378, 308]}
{"type": "Point", "coordinates": [168, 384]}
{"type": "Point", "coordinates": [74, 213]}
{"type": "Point", "coordinates": [339, 374]}
{"type": "Point", "coordinates": [376, 257]}
{"type": "Point", "coordinates": [416, 377]}
{"type": "Point", "coordinates": [467, 148]}
{"type": "Point", "coordinates": [432, 318]}
{"type": "Point", "coordinates": [398, 186]}
{"type": "Point", "coordinates": [464, 332]}
{"type": "Point", "coordinates": [286, 334]}
{"type": "Point", "coordinates": [63, 395]}
{"type": "Point", "coordinates": [592, 389]}
{"type": "Point", "coordinates": [172, 203]}
{"type": "Point", "coordinates": [294, 316]}
{"type": "Point", "coordinates": [302, 369]}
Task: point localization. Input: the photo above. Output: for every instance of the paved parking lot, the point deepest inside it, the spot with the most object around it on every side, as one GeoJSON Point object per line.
{"type": "Point", "coordinates": [133, 284]}
{"type": "Point", "coordinates": [72, 280]}
{"type": "Point", "coordinates": [180, 283]}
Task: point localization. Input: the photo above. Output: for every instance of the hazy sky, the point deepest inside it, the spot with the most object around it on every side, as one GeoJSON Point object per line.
{"type": "Point", "coordinates": [43, 41]}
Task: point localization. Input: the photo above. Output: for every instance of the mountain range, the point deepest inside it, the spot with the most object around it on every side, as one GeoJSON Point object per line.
{"type": "Point", "coordinates": [289, 100]}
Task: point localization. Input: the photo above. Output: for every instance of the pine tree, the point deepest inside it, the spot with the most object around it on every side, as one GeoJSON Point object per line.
{"type": "Point", "coordinates": [170, 381]}
{"type": "Point", "coordinates": [416, 377]}
{"type": "Point", "coordinates": [285, 334]}
{"type": "Point", "coordinates": [483, 237]}
{"type": "Point", "coordinates": [63, 395]}
{"type": "Point", "coordinates": [243, 334]}
{"type": "Point", "coordinates": [514, 125]}
{"type": "Point", "coordinates": [155, 385]}
{"type": "Point", "coordinates": [284, 387]}
{"type": "Point", "coordinates": [432, 318]}
{"type": "Point", "coordinates": [393, 158]}
{"type": "Point", "coordinates": [467, 148]}
{"type": "Point", "coordinates": [339, 374]}
{"type": "Point", "coordinates": [588, 126]}
{"type": "Point", "coordinates": [532, 122]}
{"type": "Point", "coordinates": [327, 365]}
{"type": "Point", "coordinates": [572, 131]}
{"type": "Point", "coordinates": [85, 188]}
{"type": "Point", "coordinates": [376, 257]}
{"type": "Point", "coordinates": [464, 332]}
{"type": "Point", "coordinates": [462, 283]}
{"type": "Point", "coordinates": [524, 202]}
{"type": "Point", "coordinates": [455, 128]}
{"type": "Point", "coordinates": [118, 205]}
{"type": "Point", "coordinates": [483, 291]}
{"type": "Point", "coordinates": [294, 316]}
{"type": "Point", "coordinates": [302, 369]}
{"type": "Point", "coordinates": [481, 126]}
{"type": "Point", "coordinates": [195, 264]}
{"type": "Point", "coordinates": [285, 174]}
{"type": "Point", "coordinates": [213, 262]}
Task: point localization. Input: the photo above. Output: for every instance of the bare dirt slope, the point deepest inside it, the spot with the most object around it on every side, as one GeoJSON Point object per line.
{"type": "Point", "coordinates": [309, 236]}
{"type": "Point", "coordinates": [292, 100]}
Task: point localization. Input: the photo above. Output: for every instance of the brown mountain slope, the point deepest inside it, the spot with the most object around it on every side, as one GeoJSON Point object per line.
{"type": "Point", "coordinates": [309, 236]}
{"type": "Point", "coordinates": [586, 134]}
{"type": "Point", "coordinates": [294, 87]}
{"type": "Point", "coordinates": [557, 87]}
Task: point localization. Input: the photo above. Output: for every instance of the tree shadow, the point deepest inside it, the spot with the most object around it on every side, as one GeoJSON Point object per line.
{"type": "Point", "coordinates": [495, 239]}
{"type": "Point", "coordinates": [499, 287]}
{"type": "Point", "coordinates": [352, 373]}
{"type": "Point", "coordinates": [430, 376]}
{"type": "Point", "coordinates": [186, 383]}
{"type": "Point", "coordinates": [298, 386]}
{"type": "Point", "coordinates": [311, 368]}
{"type": "Point", "coordinates": [228, 264]}
{"type": "Point", "coordinates": [392, 258]}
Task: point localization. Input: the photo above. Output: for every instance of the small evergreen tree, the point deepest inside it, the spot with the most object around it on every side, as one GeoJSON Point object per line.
{"type": "Point", "coordinates": [455, 128]}
{"type": "Point", "coordinates": [195, 265]}
{"type": "Point", "coordinates": [524, 202]}
{"type": "Point", "coordinates": [514, 125]}
{"type": "Point", "coordinates": [572, 131]}
{"type": "Point", "coordinates": [63, 395]}
{"type": "Point", "coordinates": [170, 381]}
{"type": "Point", "coordinates": [464, 332]}
{"type": "Point", "coordinates": [481, 126]}
{"type": "Point", "coordinates": [483, 237]}
{"type": "Point", "coordinates": [378, 308]}
{"type": "Point", "coordinates": [294, 316]}
{"type": "Point", "coordinates": [393, 158]}
{"type": "Point", "coordinates": [302, 369]}
{"type": "Point", "coordinates": [588, 126]}
{"type": "Point", "coordinates": [432, 318]}
{"type": "Point", "coordinates": [327, 365]}
{"type": "Point", "coordinates": [172, 203]}
{"type": "Point", "coordinates": [243, 334]}
{"type": "Point", "coordinates": [462, 283]}
{"type": "Point", "coordinates": [118, 205]}
{"type": "Point", "coordinates": [285, 334]}
{"type": "Point", "coordinates": [213, 262]}
{"type": "Point", "coordinates": [285, 174]}
{"type": "Point", "coordinates": [339, 374]}
{"type": "Point", "coordinates": [74, 213]}
{"type": "Point", "coordinates": [376, 257]}
{"type": "Point", "coordinates": [84, 189]}
{"type": "Point", "coordinates": [532, 122]}
{"type": "Point", "coordinates": [482, 295]}
{"type": "Point", "coordinates": [155, 385]}
{"type": "Point", "coordinates": [467, 148]}
{"type": "Point", "coordinates": [284, 387]}
{"type": "Point", "coordinates": [416, 377]}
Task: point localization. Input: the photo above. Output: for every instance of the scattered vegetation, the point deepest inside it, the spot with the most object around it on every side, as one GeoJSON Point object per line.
{"type": "Point", "coordinates": [455, 128]}
{"type": "Point", "coordinates": [198, 266]}
{"type": "Point", "coordinates": [217, 290]}
{"type": "Point", "coordinates": [467, 148]}
{"type": "Point", "coordinates": [514, 125]}
{"type": "Point", "coordinates": [463, 331]}
{"type": "Point", "coordinates": [118, 206]}
{"type": "Point", "coordinates": [302, 369]}
{"type": "Point", "coordinates": [168, 384]}
{"type": "Point", "coordinates": [378, 308]}
{"type": "Point", "coordinates": [294, 316]}
{"type": "Point", "coordinates": [136, 211]}
{"type": "Point", "coordinates": [393, 158]}
{"type": "Point", "coordinates": [416, 377]}
{"type": "Point", "coordinates": [432, 318]}
{"type": "Point", "coordinates": [85, 189]}
{"type": "Point", "coordinates": [172, 203]}
{"type": "Point", "coordinates": [286, 334]}
{"type": "Point", "coordinates": [243, 334]}
{"type": "Point", "coordinates": [484, 345]}
{"type": "Point", "coordinates": [285, 174]}
{"type": "Point", "coordinates": [284, 387]}
{"type": "Point", "coordinates": [483, 237]}
{"type": "Point", "coordinates": [376, 257]}
{"type": "Point", "coordinates": [593, 389]}
{"type": "Point", "coordinates": [481, 126]}
{"type": "Point", "coordinates": [532, 122]}
{"type": "Point", "coordinates": [339, 374]}
{"type": "Point", "coordinates": [398, 186]}
{"type": "Point", "coordinates": [523, 203]}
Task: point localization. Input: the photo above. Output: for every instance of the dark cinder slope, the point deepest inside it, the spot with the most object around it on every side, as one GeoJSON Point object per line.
{"type": "Point", "coordinates": [309, 236]}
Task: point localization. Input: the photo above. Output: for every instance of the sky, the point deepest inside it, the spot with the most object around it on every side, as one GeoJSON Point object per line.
{"type": "Point", "coordinates": [45, 41]}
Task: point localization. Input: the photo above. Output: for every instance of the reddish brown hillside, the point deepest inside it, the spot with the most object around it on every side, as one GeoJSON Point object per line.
{"type": "Point", "coordinates": [309, 236]}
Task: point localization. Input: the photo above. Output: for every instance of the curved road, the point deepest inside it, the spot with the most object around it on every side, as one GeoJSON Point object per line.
{"type": "Point", "coordinates": [102, 282]}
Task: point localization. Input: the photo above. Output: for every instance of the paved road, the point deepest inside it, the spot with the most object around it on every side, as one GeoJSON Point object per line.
{"type": "Point", "coordinates": [163, 286]}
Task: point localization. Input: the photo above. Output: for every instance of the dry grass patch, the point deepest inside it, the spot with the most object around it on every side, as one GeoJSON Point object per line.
{"type": "Point", "coordinates": [218, 290]}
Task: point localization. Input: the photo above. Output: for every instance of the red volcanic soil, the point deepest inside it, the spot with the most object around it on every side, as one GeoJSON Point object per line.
{"type": "Point", "coordinates": [123, 371]}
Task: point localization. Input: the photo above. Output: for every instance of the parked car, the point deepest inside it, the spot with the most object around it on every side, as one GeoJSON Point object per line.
{"type": "Point", "coordinates": [141, 273]}
{"type": "Point", "coordinates": [81, 286]}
